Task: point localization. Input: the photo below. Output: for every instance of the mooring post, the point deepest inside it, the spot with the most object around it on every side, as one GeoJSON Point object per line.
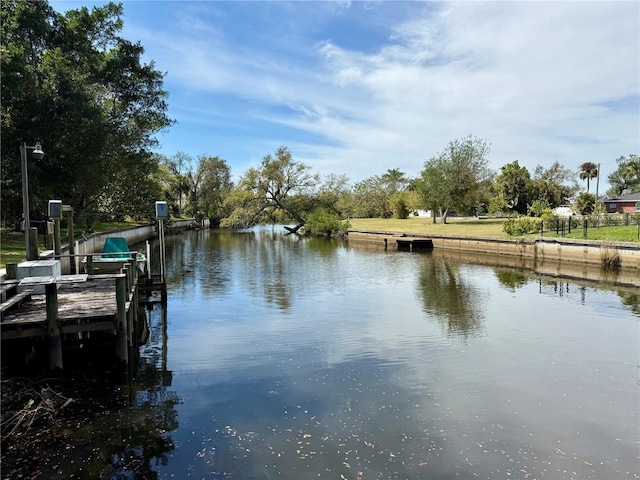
{"type": "Point", "coordinates": [122, 349]}
{"type": "Point", "coordinates": [34, 253]}
{"type": "Point", "coordinates": [126, 269]}
{"type": "Point", "coordinates": [12, 271]}
{"type": "Point", "coordinates": [76, 257]}
{"type": "Point", "coordinates": [57, 241]}
{"type": "Point", "coordinates": [148, 265]}
{"type": "Point", "coordinates": [129, 285]}
{"type": "Point", "coordinates": [54, 341]}
{"type": "Point", "coordinates": [71, 239]}
{"type": "Point", "coordinates": [134, 305]}
{"type": "Point", "coordinates": [134, 266]}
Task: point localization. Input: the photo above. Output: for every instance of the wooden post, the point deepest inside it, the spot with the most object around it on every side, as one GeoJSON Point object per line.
{"type": "Point", "coordinates": [162, 251]}
{"type": "Point", "coordinates": [54, 341]}
{"type": "Point", "coordinates": [57, 242]}
{"type": "Point", "coordinates": [122, 349]}
{"type": "Point", "coordinates": [126, 270]}
{"type": "Point", "coordinates": [148, 265]}
{"type": "Point", "coordinates": [71, 240]}
{"type": "Point", "coordinates": [76, 258]}
{"type": "Point", "coordinates": [12, 271]}
{"type": "Point", "coordinates": [89, 265]}
{"type": "Point", "coordinates": [34, 253]}
{"type": "Point", "coordinates": [134, 269]}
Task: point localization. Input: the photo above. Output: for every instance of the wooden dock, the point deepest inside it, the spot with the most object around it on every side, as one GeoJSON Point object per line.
{"type": "Point", "coordinates": [401, 241]}
{"type": "Point", "coordinates": [73, 307]}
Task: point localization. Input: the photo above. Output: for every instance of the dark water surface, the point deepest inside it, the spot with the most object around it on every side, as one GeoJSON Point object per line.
{"type": "Point", "coordinates": [286, 358]}
{"type": "Point", "coordinates": [300, 358]}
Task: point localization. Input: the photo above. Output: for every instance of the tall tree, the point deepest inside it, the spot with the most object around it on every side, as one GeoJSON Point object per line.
{"type": "Point", "coordinates": [458, 178]}
{"type": "Point", "coordinates": [215, 184]}
{"type": "Point", "coordinates": [555, 185]}
{"type": "Point", "coordinates": [588, 170]}
{"type": "Point", "coordinates": [395, 180]}
{"type": "Point", "coordinates": [333, 194]}
{"type": "Point", "coordinates": [371, 198]}
{"type": "Point", "coordinates": [71, 82]}
{"type": "Point", "coordinates": [178, 166]}
{"type": "Point", "coordinates": [512, 188]}
{"type": "Point", "coordinates": [279, 185]}
{"type": "Point", "coordinates": [626, 177]}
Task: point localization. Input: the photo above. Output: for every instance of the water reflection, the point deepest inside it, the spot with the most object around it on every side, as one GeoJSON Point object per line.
{"type": "Point", "coordinates": [290, 358]}
{"type": "Point", "coordinates": [301, 359]}
{"type": "Point", "coordinates": [449, 298]}
{"type": "Point", "coordinates": [632, 300]}
{"type": "Point", "coordinates": [272, 266]}
{"type": "Point", "coordinates": [511, 279]}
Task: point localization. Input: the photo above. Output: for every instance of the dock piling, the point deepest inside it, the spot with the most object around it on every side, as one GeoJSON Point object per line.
{"type": "Point", "coordinates": [122, 347]}
{"type": "Point", "coordinates": [54, 339]}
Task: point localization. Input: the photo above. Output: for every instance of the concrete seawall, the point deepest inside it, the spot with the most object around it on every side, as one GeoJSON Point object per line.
{"type": "Point", "coordinates": [550, 252]}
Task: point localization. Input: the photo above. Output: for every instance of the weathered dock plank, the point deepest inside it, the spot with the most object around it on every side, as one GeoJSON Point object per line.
{"type": "Point", "coordinates": [82, 306]}
{"type": "Point", "coordinates": [15, 301]}
{"type": "Point", "coordinates": [72, 307]}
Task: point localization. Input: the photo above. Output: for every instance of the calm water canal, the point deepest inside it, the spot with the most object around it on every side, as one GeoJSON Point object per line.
{"type": "Point", "coordinates": [300, 358]}
{"type": "Point", "coordinates": [286, 358]}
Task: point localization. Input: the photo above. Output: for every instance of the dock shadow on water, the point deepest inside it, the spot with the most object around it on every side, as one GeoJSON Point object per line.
{"type": "Point", "coordinates": [98, 421]}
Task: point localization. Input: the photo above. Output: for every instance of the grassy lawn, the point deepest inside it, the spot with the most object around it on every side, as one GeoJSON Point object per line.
{"type": "Point", "coordinates": [618, 234]}
{"type": "Point", "coordinates": [485, 228]}
{"type": "Point", "coordinates": [12, 248]}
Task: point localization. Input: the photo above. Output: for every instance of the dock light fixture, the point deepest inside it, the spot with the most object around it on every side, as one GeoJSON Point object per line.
{"type": "Point", "coordinates": [38, 154]}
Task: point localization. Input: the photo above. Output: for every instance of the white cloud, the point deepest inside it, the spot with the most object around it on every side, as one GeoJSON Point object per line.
{"type": "Point", "coordinates": [533, 78]}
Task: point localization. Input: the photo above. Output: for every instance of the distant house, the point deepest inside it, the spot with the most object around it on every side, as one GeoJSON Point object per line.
{"type": "Point", "coordinates": [623, 204]}
{"type": "Point", "coordinates": [563, 211]}
{"type": "Point", "coordinates": [421, 214]}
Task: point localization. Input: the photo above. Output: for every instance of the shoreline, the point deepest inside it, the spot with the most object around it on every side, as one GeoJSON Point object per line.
{"type": "Point", "coordinates": [566, 258]}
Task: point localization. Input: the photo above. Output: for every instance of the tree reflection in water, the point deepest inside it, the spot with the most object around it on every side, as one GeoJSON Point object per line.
{"type": "Point", "coordinates": [632, 300]}
{"type": "Point", "coordinates": [448, 298]}
{"type": "Point", "coordinates": [511, 279]}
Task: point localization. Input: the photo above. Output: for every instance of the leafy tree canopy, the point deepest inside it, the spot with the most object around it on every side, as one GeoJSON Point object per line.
{"type": "Point", "coordinates": [208, 185]}
{"type": "Point", "coordinates": [555, 185]}
{"type": "Point", "coordinates": [625, 178]}
{"type": "Point", "coordinates": [512, 189]}
{"type": "Point", "coordinates": [72, 83]}
{"type": "Point", "coordinates": [458, 178]}
{"type": "Point", "coordinates": [279, 184]}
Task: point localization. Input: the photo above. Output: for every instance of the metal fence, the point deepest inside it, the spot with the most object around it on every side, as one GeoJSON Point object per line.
{"type": "Point", "coordinates": [562, 226]}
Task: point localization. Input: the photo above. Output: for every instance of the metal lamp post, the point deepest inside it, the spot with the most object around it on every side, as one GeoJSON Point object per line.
{"type": "Point", "coordinates": [37, 154]}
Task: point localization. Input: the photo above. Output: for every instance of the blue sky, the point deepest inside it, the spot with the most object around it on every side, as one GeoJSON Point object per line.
{"type": "Point", "coordinates": [359, 87]}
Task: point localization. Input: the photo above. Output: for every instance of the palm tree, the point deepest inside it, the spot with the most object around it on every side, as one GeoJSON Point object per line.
{"type": "Point", "coordinates": [588, 170]}
{"type": "Point", "coordinates": [395, 179]}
